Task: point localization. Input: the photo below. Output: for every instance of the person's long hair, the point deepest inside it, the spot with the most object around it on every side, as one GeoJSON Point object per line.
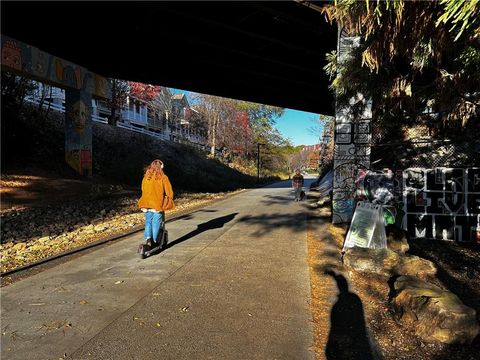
{"type": "Point", "coordinates": [154, 170]}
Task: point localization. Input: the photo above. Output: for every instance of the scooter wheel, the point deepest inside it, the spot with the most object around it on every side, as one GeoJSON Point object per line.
{"type": "Point", "coordinates": [141, 251]}
{"type": "Point", "coordinates": [165, 240]}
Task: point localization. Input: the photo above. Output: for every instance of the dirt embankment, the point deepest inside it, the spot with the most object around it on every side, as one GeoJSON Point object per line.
{"type": "Point", "coordinates": [46, 208]}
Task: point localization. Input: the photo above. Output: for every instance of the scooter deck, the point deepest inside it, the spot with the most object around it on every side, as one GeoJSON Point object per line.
{"type": "Point", "coordinates": [145, 250]}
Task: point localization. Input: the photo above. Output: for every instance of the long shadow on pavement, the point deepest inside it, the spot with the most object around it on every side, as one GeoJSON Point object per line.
{"type": "Point", "coordinates": [348, 338]}
{"type": "Point", "coordinates": [216, 223]}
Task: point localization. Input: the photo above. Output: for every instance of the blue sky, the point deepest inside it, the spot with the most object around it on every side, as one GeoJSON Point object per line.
{"type": "Point", "coordinates": [295, 125]}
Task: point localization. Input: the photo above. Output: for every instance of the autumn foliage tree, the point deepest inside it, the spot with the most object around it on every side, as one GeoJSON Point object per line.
{"type": "Point", "coordinates": [145, 92]}
{"type": "Point", "coordinates": [217, 113]}
{"type": "Point", "coordinates": [238, 137]}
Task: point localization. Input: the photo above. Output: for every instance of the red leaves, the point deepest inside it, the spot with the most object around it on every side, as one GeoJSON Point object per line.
{"type": "Point", "coordinates": [144, 92]}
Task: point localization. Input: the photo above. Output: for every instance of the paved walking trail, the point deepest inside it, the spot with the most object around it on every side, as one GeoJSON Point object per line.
{"type": "Point", "coordinates": [233, 284]}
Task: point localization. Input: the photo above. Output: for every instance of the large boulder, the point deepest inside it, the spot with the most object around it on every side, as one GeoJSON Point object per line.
{"type": "Point", "coordinates": [415, 266]}
{"type": "Point", "coordinates": [397, 239]}
{"type": "Point", "coordinates": [386, 262]}
{"type": "Point", "coordinates": [435, 314]}
{"type": "Point", "coordinates": [371, 261]}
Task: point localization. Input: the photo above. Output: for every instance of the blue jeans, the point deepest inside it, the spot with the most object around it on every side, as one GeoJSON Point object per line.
{"type": "Point", "coordinates": [153, 224]}
{"type": "Point", "coordinates": [297, 193]}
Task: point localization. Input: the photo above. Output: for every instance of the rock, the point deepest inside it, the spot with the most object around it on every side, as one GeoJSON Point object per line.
{"type": "Point", "coordinates": [397, 239]}
{"type": "Point", "coordinates": [374, 261]}
{"type": "Point", "coordinates": [38, 247]}
{"type": "Point", "coordinates": [435, 314]}
{"type": "Point", "coordinates": [100, 228]}
{"type": "Point", "coordinates": [415, 266]}
{"type": "Point", "coordinates": [8, 245]}
{"type": "Point", "coordinates": [44, 239]}
{"type": "Point", "coordinates": [386, 262]}
{"type": "Point", "coordinates": [19, 247]}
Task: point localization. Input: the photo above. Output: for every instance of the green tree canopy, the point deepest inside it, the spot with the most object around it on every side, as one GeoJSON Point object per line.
{"type": "Point", "coordinates": [414, 56]}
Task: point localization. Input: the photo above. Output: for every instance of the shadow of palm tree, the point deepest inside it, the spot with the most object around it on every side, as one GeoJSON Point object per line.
{"type": "Point", "coordinates": [283, 200]}
{"type": "Point", "coordinates": [264, 223]}
{"type": "Point", "coordinates": [216, 223]}
{"type": "Point", "coordinates": [191, 215]}
{"type": "Point", "coordinates": [348, 339]}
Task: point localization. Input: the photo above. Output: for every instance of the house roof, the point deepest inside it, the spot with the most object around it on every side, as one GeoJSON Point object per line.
{"type": "Point", "coordinates": [180, 98]}
{"type": "Point", "coordinates": [270, 52]}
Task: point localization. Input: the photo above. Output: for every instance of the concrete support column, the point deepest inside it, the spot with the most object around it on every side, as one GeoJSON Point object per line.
{"type": "Point", "coordinates": [352, 142]}
{"type": "Point", "coordinates": [78, 130]}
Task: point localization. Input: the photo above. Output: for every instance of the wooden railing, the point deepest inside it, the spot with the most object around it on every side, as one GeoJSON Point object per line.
{"type": "Point", "coordinates": [128, 126]}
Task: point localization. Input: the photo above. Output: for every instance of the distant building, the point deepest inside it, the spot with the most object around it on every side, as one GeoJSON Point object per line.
{"type": "Point", "coordinates": [167, 116]}
{"type": "Point", "coordinates": [313, 155]}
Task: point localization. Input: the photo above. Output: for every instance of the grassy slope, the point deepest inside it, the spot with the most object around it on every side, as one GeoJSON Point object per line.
{"type": "Point", "coordinates": [34, 144]}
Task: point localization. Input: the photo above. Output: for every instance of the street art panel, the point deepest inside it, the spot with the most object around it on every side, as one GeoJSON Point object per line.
{"type": "Point", "coordinates": [382, 188]}
{"type": "Point", "coordinates": [80, 85]}
{"type": "Point", "coordinates": [31, 61]}
{"type": "Point", "coordinates": [352, 142]}
{"type": "Point", "coordinates": [11, 54]}
{"type": "Point", "coordinates": [351, 153]}
{"type": "Point", "coordinates": [442, 203]}
{"type": "Point", "coordinates": [78, 131]}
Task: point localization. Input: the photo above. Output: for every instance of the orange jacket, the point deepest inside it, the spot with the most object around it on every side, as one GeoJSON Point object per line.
{"type": "Point", "coordinates": [153, 193]}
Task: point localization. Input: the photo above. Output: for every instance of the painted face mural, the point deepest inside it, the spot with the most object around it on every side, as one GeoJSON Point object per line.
{"type": "Point", "coordinates": [79, 114]}
{"type": "Point", "coordinates": [12, 55]}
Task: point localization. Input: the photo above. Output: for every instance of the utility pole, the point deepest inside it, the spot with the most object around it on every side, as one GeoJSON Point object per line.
{"type": "Point", "coordinates": [258, 161]}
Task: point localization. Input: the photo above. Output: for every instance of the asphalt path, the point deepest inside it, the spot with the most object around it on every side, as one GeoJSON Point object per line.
{"type": "Point", "coordinates": [232, 284]}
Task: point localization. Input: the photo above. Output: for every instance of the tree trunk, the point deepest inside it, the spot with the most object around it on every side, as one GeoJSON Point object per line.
{"type": "Point", "coordinates": [112, 119]}
{"type": "Point", "coordinates": [214, 136]}
{"type": "Point", "coordinates": [49, 103]}
{"type": "Point", "coordinates": [45, 88]}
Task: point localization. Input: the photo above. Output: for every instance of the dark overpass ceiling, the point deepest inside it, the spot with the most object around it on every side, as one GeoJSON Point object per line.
{"type": "Point", "coordinates": [266, 52]}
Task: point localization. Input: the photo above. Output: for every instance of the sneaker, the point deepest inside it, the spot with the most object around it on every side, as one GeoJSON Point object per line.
{"type": "Point", "coordinates": [148, 242]}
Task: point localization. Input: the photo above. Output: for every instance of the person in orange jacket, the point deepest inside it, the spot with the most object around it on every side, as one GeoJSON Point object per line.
{"type": "Point", "coordinates": [157, 196]}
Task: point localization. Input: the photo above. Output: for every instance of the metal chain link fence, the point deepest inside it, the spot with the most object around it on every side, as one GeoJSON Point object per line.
{"type": "Point", "coordinates": [420, 146]}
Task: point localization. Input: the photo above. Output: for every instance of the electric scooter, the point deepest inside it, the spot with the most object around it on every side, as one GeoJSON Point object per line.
{"type": "Point", "coordinates": [145, 250]}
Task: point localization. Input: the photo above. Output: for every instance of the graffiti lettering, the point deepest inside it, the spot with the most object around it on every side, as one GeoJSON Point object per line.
{"type": "Point", "coordinates": [442, 203]}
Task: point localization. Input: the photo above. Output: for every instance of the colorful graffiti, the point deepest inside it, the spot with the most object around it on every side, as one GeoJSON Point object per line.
{"type": "Point", "coordinates": [78, 131]}
{"type": "Point", "coordinates": [442, 203]}
{"type": "Point", "coordinates": [352, 143]}
{"type": "Point", "coordinates": [79, 83]}
{"type": "Point", "coordinates": [31, 61]}
{"type": "Point", "coordinates": [351, 153]}
{"type": "Point", "coordinates": [11, 54]}
{"type": "Point", "coordinates": [382, 188]}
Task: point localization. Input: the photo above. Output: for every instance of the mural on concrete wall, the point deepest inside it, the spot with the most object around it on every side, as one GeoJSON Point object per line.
{"type": "Point", "coordinates": [11, 54]}
{"type": "Point", "coordinates": [382, 188]}
{"type": "Point", "coordinates": [79, 84]}
{"type": "Point", "coordinates": [442, 203]}
{"type": "Point", "coordinates": [78, 131]}
{"type": "Point", "coordinates": [352, 143]}
{"type": "Point", "coordinates": [48, 68]}
{"type": "Point", "coordinates": [351, 153]}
